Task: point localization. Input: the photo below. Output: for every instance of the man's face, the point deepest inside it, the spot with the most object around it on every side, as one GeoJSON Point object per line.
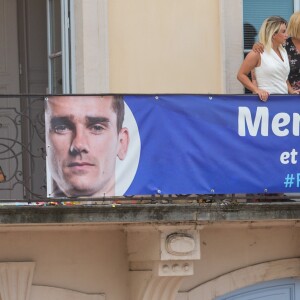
{"type": "Point", "coordinates": [83, 143]}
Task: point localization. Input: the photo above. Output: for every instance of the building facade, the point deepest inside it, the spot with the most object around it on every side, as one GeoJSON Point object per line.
{"type": "Point", "coordinates": [130, 250]}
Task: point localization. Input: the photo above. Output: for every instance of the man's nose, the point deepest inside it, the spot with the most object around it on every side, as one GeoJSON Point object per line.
{"type": "Point", "coordinates": [79, 143]}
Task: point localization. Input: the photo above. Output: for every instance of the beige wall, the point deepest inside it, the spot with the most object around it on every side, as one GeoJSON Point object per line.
{"type": "Point", "coordinates": [164, 46]}
{"type": "Point", "coordinates": [87, 261]}
{"type": "Point", "coordinates": [230, 248]}
{"type": "Point", "coordinates": [153, 46]}
{"type": "Point", "coordinates": [224, 248]}
{"type": "Point", "coordinates": [120, 261]}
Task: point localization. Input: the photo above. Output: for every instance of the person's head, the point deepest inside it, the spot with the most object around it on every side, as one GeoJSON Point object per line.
{"type": "Point", "coordinates": [84, 137]}
{"type": "Point", "coordinates": [293, 29]}
{"type": "Point", "coordinates": [273, 29]}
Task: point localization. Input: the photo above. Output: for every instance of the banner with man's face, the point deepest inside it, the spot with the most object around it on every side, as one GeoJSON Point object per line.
{"type": "Point", "coordinates": [101, 146]}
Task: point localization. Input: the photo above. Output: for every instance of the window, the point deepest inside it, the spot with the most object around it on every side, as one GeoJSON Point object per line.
{"type": "Point", "coordinates": [59, 62]}
{"type": "Point", "coordinates": [256, 11]}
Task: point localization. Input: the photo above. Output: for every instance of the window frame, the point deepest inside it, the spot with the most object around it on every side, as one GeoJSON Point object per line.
{"type": "Point", "coordinates": [67, 40]}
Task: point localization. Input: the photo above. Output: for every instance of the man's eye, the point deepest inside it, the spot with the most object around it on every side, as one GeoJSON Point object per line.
{"type": "Point", "coordinates": [61, 129]}
{"type": "Point", "coordinates": [97, 128]}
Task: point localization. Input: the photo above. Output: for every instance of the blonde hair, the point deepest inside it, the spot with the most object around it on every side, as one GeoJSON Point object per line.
{"type": "Point", "coordinates": [269, 27]}
{"type": "Point", "coordinates": [293, 29]}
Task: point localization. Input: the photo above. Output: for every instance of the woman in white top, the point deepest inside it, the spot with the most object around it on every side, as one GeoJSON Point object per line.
{"type": "Point", "coordinates": [271, 68]}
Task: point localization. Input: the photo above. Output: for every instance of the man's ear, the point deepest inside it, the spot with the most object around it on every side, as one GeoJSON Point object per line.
{"type": "Point", "coordinates": [123, 143]}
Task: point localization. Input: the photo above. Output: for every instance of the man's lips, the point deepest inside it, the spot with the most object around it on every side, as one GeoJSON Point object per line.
{"type": "Point", "coordinates": [80, 168]}
{"type": "Point", "coordinates": [79, 164]}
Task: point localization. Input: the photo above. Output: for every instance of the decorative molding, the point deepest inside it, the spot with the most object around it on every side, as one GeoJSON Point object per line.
{"type": "Point", "coordinates": [16, 284]}
{"type": "Point", "coordinates": [180, 245]}
{"type": "Point", "coordinates": [244, 277]}
{"type": "Point", "coordinates": [160, 288]}
{"type": "Point", "coordinates": [51, 293]}
{"type": "Point", "coordinates": [16, 280]}
{"type": "Point", "coordinates": [179, 249]}
{"type": "Point", "coordinates": [174, 268]}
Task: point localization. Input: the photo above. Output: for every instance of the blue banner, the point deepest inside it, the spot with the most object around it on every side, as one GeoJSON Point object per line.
{"type": "Point", "coordinates": [203, 144]}
{"type": "Point", "coordinates": [172, 144]}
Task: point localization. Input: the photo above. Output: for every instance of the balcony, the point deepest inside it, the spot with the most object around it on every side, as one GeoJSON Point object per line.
{"type": "Point", "coordinates": [23, 187]}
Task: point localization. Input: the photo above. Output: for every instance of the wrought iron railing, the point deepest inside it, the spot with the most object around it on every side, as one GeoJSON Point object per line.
{"type": "Point", "coordinates": [22, 147]}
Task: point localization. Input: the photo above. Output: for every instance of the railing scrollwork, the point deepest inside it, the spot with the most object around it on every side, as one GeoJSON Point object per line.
{"type": "Point", "coordinates": [22, 148]}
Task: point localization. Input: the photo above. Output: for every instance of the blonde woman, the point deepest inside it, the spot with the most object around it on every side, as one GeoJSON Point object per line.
{"type": "Point", "coordinates": [271, 68]}
{"type": "Point", "coordinates": [292, 47]}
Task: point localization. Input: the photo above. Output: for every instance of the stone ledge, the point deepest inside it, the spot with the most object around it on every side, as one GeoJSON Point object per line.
{"type": "Point", "coordinates": [150, 213]}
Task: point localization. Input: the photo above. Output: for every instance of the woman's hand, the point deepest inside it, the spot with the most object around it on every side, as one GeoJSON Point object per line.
{"type": "Point", "coordinates": [258, 47]}
{"type": "Point", "coordinates": [291, 90]}
{"type": "Point", "coordinates": [262, 94]}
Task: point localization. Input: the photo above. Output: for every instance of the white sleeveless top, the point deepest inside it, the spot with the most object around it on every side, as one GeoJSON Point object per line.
{"type": "Point", "coordinates": [272, 73]}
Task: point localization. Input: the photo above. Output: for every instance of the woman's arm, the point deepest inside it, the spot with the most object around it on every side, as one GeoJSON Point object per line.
{"type": "Point", "coordinates": [253, 78]}
{"type": "Point", "coordinates": [251, 61]}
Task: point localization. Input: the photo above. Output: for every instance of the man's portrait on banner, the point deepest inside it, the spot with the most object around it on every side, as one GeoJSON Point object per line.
{"type": "Point", "coordinates": [87, 138]}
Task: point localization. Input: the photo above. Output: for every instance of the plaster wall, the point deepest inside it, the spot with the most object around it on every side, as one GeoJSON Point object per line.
{"type": "Point", "coordinates": [226, 249]}
{"type": "Point", "coordinates": [148, 46]}
{"type": "Point", "coordinates": [86, 261]}
{"type": "Point", "coordinates": [164, 46]}
{"type": "Point", "coordinates": [120, 261]}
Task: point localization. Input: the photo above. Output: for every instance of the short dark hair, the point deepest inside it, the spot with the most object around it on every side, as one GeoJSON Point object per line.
{"type": "Point", "coordinates": [118, 108]}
